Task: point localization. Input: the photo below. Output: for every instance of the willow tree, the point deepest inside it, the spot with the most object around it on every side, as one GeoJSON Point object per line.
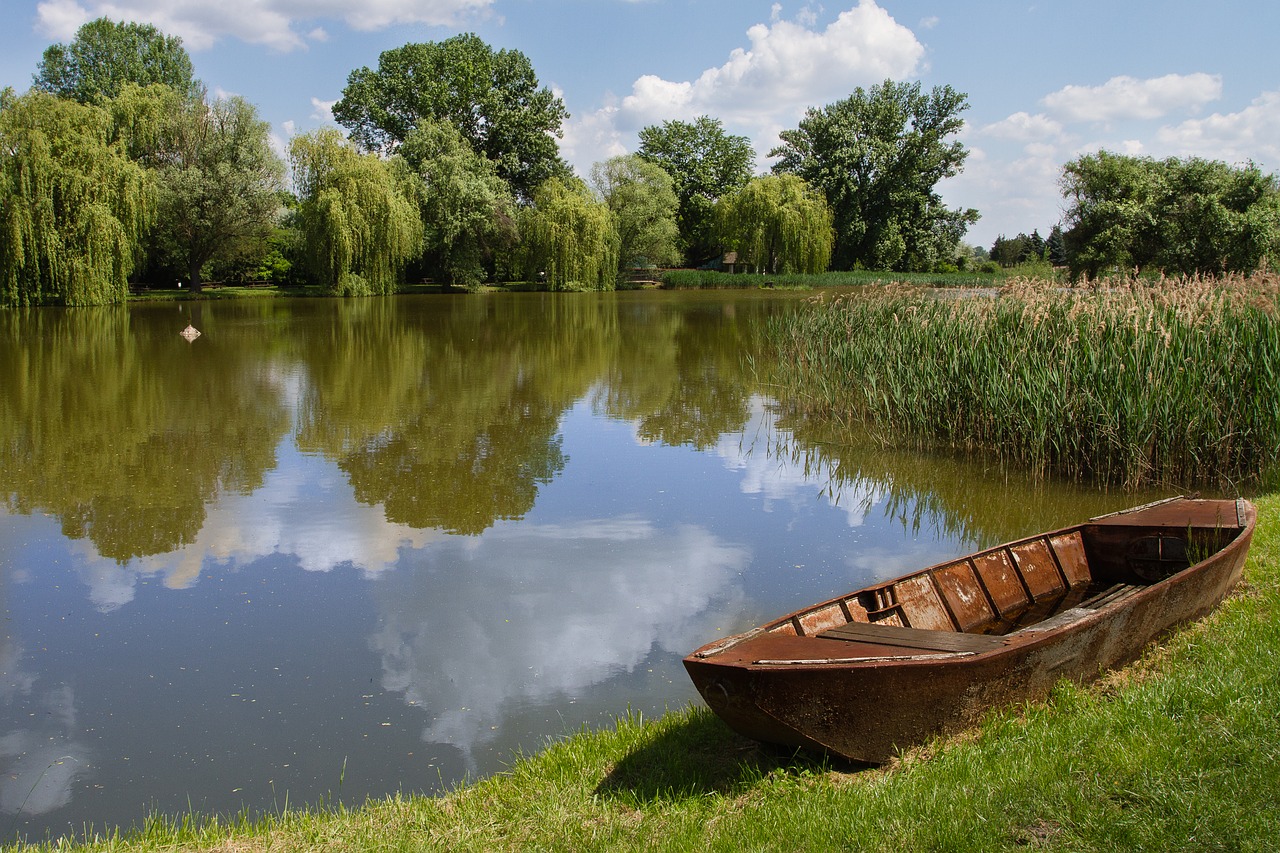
{"type": "Point", "coordinates": [73, 206]}
{"type": "Point", "coordinates": [467, 208]}
{"type": "Point", "coordinates": [219, 185]}
{"type": "Point", "coordinates": [778, 224]}
{"type": "Point", "coordinates": [706, 164]}
{"type": "Point", "coordinates": [569, 238]}
{"type": "Point", "coordinates": [360, 224]}
{"type": "Point", "coordinates": [643, 199]}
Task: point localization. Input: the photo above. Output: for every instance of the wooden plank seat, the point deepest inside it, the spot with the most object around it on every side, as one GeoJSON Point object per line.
{"type": "Point", "coordinates": [914, 638]}
{"type": "Point", "coordinates": [1111, 595]}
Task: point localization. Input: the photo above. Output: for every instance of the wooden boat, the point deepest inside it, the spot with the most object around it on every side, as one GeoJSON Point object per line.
{"type": "Point", "coordinates": [883, 668]}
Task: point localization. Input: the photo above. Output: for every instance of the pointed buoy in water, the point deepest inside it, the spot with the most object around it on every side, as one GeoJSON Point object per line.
{"type": "Point", "coordinates": [190, 332]}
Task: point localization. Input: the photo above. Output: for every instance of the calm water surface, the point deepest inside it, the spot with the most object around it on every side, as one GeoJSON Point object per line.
{"type": "Point", "coordinates": [338, 549]}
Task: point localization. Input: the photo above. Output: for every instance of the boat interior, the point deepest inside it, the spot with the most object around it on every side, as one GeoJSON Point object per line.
{"type": "Point", "coordinates": [1010, 587]}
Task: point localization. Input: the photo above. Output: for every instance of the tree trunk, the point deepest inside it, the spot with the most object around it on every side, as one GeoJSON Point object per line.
{"type": "Point", "coordinates": [193, 271]}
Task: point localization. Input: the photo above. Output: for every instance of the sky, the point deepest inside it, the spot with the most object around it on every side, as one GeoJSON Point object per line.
{"type": "Point", "coordinates": [1045, 82]}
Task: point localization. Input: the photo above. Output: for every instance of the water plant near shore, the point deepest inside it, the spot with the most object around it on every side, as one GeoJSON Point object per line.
{"type": "Point", "coordinates": [1122, 382]}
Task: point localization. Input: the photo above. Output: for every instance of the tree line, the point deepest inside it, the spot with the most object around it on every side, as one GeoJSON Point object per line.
{"type": "Point", "coordinates": [116, 166]}
{"type": "Point", "coordinates": [1181, 216]}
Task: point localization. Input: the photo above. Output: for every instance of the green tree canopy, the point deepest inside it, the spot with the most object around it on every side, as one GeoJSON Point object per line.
{"type": "Point", "coordinates": [105, 55]}
{"type": "Point", "coordinates": [218, 180]}
{"type": "Point", "coordinates": [1011, 251]}
{"type": "Point", "coordinates": [569, 237]}
{"type": "Point", "coordinates": [467, 209]}
{"type": "Point", "coordinates": [73, 205]}
{"type": "Point", "coordinates": [1180, 216]}
{"type": "Point", "coordinates": [492, 98]}
{"type": "Point", "coordinates": [360, 225]}
{"type": "Point", "coordinates": [778, 224]}
{"type": "Point", "coordinates": [705, 163]}
{"type": "Point", "coordinates": [878, 156]}
{"type": "Point", "coordinates": [643, 201]}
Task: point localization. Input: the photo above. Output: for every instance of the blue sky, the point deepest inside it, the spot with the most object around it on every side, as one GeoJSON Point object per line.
{"type": "Point", "coordinates": [1046, 81]}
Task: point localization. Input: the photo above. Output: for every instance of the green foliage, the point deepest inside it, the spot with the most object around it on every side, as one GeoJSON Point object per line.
{"type": "Point", "coordinates": [878, 156]}
{"type": "Point", "coordinates": [105, 56]}
{"type": "Point", "coordinates": [1011, 251]}
{"type": "Point", "coordinates": [705, 163]}
{"type": "Point", "coordinates": [467, 208]}
{"type": "Point", "coordinates": [492, 98]}
{"type": "Point", "coordinates": [73, 206]}
{"type": "Point", "coordinates": [1056, 247]}
{"type": "Point", "coordinates": [777, 224]}
{"type": "Point", "coordinates": [219, 184]}
{"type": "Point", "coordinates": [569, 237]}
{"type": "Point", "coordinates": [1178, 216]}
{"type": "Point", "coordinates": [641, 196]}
{"type": "Point", "coordinates": [360, 225]}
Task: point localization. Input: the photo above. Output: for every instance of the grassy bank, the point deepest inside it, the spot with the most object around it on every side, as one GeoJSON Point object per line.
{"type": "Point", "coordinates": [1125, 383]}
{"type": "Point", "coordinates": [1179, 752]}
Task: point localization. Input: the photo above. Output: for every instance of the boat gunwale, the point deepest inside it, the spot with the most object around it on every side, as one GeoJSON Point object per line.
{"type": "Point", "coordinates": [1025, 637]}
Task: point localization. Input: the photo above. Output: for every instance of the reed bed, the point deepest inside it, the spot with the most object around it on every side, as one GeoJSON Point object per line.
{"type": "Point", "coordinates": [1127, 383]}
{"type": "Point", "coordinates": [685, 279]}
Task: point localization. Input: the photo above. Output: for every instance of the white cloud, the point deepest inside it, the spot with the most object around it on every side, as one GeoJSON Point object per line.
{"type": "Point", "coordinates": [1124, 98]}
{"type": "Point", "coordinates": [780, 480]}
{"type": "Point", "coordinates": [787, 67]}
{"type": "Point", "coordinates": [587, 600]}
{"type": "Point", "coordinates": [1250, 134]}
{"type": "Point", "coordinates": [275, 23]}
{"type": "Point", "coordinates": [591, 139]}
{"type": "Point", "coordinates": [1024, 127]}
{"type": "Point", "coordinates": [44, 761]}
{"type": "Point", "coordinates": [61, 18]}
{"type": "Point", "coordinates": [322, 110]}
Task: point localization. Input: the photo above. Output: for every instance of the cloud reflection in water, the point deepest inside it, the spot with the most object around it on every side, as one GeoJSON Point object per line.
{"type": "Point", "coordinates": [528, 613]}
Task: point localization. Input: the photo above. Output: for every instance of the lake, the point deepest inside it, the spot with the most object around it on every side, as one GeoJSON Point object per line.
{"type": "Point", "coordinates": [333, 549]}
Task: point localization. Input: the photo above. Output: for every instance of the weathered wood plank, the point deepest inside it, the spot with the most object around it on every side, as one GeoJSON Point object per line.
{"type": "Point", "coordinates": [914, 638]}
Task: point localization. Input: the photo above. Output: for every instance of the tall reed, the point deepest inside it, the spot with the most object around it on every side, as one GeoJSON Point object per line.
{"type": "Point", "coordinates": [1123, 382]}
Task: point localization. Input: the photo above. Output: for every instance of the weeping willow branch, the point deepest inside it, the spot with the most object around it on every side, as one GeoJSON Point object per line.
{"type": "Point", "coordinates": [361, 226]}
{"type": "Point", "coordinates": [73, 206]}
{"type": "Point", "coordinates": [778, 224]}
{"type": "Point", "coordinates": [570, 237]}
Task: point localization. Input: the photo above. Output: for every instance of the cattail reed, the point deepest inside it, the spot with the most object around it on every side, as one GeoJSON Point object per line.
{"type": "Point", "coordinates": [1126, 383]}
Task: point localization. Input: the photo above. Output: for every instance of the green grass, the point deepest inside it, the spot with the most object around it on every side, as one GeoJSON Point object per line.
{"type": "Point", "coordinates": [1125, 383]}
{"type": "Point", "coordinates": [1180, 751]}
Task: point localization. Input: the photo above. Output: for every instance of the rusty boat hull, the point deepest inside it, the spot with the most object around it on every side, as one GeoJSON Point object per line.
{"type": "Point", "coordinates": [883, 668]}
